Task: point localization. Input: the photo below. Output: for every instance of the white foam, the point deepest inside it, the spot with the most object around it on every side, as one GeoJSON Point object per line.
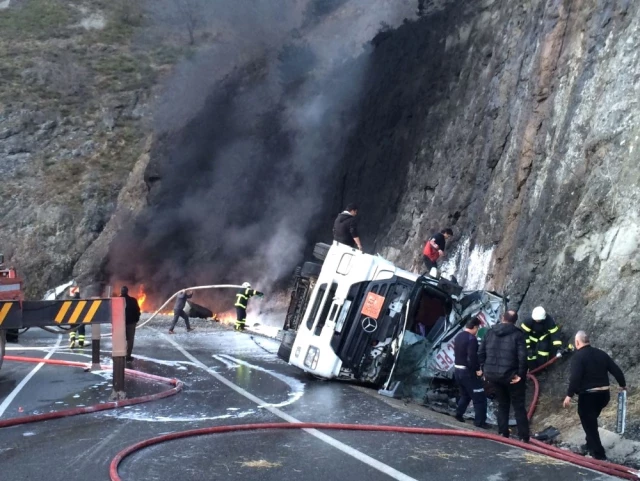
{"type": "Point", "coordinates": [29, 433]}
{"type": "Point", "coordinates": [139, 416]}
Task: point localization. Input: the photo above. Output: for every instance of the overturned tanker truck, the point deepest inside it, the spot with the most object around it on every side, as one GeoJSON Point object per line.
{"type": "Point", "coordinates": [360, 318]}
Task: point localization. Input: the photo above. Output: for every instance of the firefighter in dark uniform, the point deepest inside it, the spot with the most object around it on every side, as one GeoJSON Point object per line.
{"type": "Point", "coordinates": [78, 334]}
{"type": "Point", "coordinates": [543, 337]}
{"type": "Point", "coordinates": [242, 299]}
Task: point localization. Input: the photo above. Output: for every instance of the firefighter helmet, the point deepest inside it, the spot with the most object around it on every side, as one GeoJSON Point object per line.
{"type": "Point", "coordinates": [539, 314]}
{"type": "Point", "coordinates": [246, 285]}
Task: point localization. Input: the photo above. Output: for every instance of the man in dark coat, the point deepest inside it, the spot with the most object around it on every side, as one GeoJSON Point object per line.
{"type": "Point", "coordinates": [131, 318]}
{"type": "Point", "coordinates": [468, 375]}
{"type": "Point", "coordinates": [178, 310]}
{"type": "Point", "coordinates": [503, 355]}
{"type": "Point", "coordinates": [590, 368]}
{"type": "Point", "coordinates": [345, 227]}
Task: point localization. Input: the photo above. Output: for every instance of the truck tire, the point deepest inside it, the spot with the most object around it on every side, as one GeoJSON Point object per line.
{"type": "Point", "coordinates": [320, 251]}
{"type": "Point", "coordinates": [2, 343]}
{"type": "Point", "coordinates": [196, 310]}
{"type": "Point", "coordinates": [310, 270]}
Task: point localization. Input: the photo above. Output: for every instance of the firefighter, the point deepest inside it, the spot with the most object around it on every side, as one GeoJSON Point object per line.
{"type": "Point", "coordinates": [242, 299]}
{"type": "Point", "coordinates": [543, 337]}
{"type": "Point", "coordinates": [78, 334]}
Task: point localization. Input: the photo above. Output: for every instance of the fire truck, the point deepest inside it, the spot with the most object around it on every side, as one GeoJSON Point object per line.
{"type": "Point", "coordinates": [10, 290]}
{"type": "Point", "coordinates": [358, 317]}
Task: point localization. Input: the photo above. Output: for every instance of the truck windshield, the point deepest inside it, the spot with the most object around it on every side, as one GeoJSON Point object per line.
{"type": "Point", "coordinates": [428, 319]}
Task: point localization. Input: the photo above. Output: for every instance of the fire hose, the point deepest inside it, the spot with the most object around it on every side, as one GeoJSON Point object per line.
{"type": "Point", "coordinates": [533, 446]}
{"type": "Point", "coordinates": [606, 468]}
{"type": "Point", "coordinates": [177, 387]}
{"type": "Point", "coordinates": [195, 288]}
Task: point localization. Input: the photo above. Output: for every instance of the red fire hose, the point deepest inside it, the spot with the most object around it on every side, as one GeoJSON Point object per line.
{"type": "Point", "coordinates": [536, 385]}
{"type": "Point", "coordinates": [534, 446]}
{"type": "Point", "coordinates": [614, 470]}
{"type": "Point", "coordinates": [177, 387]}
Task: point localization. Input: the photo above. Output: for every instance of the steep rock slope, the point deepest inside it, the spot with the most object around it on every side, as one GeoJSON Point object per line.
{"type": "Point", "coordinates": [74, 95]}
{"type": "Point", "coordinates": [517, 124]}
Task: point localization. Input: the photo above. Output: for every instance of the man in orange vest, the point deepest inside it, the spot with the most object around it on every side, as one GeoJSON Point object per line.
{"type": "Point", "coordinates": [434, 248]}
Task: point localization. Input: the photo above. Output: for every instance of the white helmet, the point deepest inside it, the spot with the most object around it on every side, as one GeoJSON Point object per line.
{"type": "Point", "coordinates": [246, 285]}
{"type": "Point", "coordinates": [539, 314]}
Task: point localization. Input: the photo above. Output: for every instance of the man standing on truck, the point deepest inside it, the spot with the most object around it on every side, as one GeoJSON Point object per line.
{"type": "Point", "coordinates": [468, 375]}
{"type": "Point", "coordinates": [434, 248]}
{"type": "Point", "coordinates": [503, 357]}
{"type": "Point", "coordinates": [590, 368]}
{"type": "Point", "coordinates": [242, 300]}
{"type": "Point", "coordinates": [543, 337]}
{"type": "Point", "coordinates": [131, 318]}
{"type": "Point", "coordinates": [345, 227]}
{"type": "Point", "coordinates": [178, 310]}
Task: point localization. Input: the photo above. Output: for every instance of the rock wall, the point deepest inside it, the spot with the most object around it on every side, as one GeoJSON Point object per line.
{"type": "Point", "coordinates": [515, 123]}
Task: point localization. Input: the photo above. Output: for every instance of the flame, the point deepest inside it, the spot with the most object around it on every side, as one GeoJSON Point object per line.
{"type": "Point", "coordinates": [142, 296]}
{"type": "Point", "coordinates": [228, 317]}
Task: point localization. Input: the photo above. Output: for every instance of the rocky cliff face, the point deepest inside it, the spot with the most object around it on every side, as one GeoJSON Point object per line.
{"type": "Point", "coordinates": [74, 108]}
{"type": "Point", "coordinates": [516, 123]}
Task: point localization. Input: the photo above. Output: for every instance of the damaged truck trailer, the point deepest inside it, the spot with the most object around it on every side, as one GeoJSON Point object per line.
{"type": "Point", "coordinates": [358, 317]}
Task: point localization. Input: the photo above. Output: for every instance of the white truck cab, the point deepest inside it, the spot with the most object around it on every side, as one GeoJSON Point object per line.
{"type": "Point", "coordinates": [361, 311]}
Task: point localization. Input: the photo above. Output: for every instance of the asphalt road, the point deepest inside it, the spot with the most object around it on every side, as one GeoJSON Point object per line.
{"type": "Point", "coordinates": [229, 379]}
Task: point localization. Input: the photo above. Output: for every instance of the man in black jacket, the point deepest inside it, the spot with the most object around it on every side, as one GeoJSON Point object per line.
{"type": "Point", "coordinates": [590, 368]}
{"type": "Point", "coordinates": [503, 355]}
{"type": "Point", "coordinates": [468, 375]}
{"type": "Point", "coordinates": [345, 227]}
{"type": "Point", "coordinates": [131, 318]}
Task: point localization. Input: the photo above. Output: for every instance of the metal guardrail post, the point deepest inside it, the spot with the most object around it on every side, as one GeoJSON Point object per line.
{"type": "Point", "coordinates": [119, 347]}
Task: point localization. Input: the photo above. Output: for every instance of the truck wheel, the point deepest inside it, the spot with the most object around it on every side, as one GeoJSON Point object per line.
{"type": "Point", "coordinates": [320, 251]}
{"type": "Point", "coordinates": [310, 269]}
{"type": "Point", "coordinates": [2, 343]}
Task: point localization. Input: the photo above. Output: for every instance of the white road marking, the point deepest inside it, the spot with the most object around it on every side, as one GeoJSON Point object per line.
{"type": "Point", "coordinates": [5, 404]}
{"type": "Point", "coordinates": [297, 387]}
{"type": "Point", "coordinates": [230, 365]}
{"type": "Point", "coordinates": [368, 460]}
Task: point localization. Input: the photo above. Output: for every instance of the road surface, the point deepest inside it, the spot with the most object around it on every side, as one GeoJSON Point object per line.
{"type": "Point", "coordinates": [231, 378]}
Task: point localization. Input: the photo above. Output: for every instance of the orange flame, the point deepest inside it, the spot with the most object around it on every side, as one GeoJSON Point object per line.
{"type": "Point", "coordinates": [142, 296]}
{"type": "Point", "coordinates": [228, 317]}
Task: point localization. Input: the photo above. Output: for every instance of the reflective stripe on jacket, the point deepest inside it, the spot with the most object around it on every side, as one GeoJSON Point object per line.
{"type": "Point", "coordinates": [243, 296]}
{"type": "Point", "coordinates": [538, 332]}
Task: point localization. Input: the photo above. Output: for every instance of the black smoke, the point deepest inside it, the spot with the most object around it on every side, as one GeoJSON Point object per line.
{"type": "Point", "coordinates": [248, 135]}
